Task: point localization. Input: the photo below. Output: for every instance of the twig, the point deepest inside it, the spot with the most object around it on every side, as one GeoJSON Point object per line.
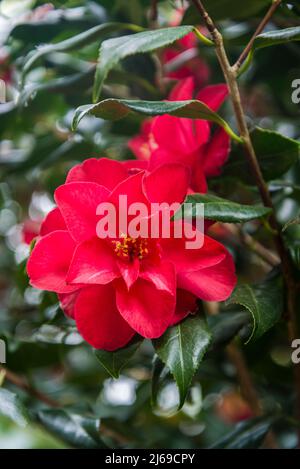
{"type": "Point", "coordinates": [23, 384]}
{"type": "Point", "coordinates": [153, 11]}
{"type": "Point", "coordinates": [259, 30]}
{"type": "Point", "coordinates": [269, 257]}
{"type": "Point", "coordinates": [247, 387]}
{"type": "Point", "coordinates": [287, 268]}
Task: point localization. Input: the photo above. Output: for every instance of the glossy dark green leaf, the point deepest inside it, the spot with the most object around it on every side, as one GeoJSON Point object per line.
{"type": "Point", "coordinates": [246, 435]}
{"type": "Point", "coordinates": [264, 301]}
{"type": "Point", "coordinates": [159, 372]}
{"type": "Point", "coordinates": [116, 49]}
{"type": "Point", "coordinates": [218, 209]}
{"type": "Point", "coordinates": [12, 407]}
{"type": "Point", "coordinates": [66, 85]}
{"type": "Point", "coordinates": [115, 109]}
{"type": "Point", "coordinates": [181, 349]}
{"type": "Point", "coordinates": [74, 429]}
{"type": "Point", "coordinates": [272, 38]}
{"type": "Point", "coordinates": [225, 326]}
{"type": "Point", "coordinates": [114, 362]}
{"type": "Point", "coordinates": [295, 255]}
{"type": "Point", "coordinates": [275, 153]}
{"type": "Point", "coordinates": [76, 42]}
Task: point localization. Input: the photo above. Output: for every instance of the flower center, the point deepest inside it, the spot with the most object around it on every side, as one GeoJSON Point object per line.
{"type": "Point", "coordinates": [131, 248]}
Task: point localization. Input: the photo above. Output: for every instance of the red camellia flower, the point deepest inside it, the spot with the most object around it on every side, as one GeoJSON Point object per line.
{"type": "Point", "coordinates": [166, 139]}
{"type": "Point", "coordinates": [119, 286]}
{"type": "Point", "coordinates": [182, 61]}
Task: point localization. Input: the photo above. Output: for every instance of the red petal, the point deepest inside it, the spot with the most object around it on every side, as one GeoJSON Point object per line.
{"type": "Point", "coordinates": [103, 171]}
{"type": "Point", "coordinates": [190, 260]}
{"type": "Point", "coordinates": [215, 153]}
{"type": "Point", "coordinates": [147, 309]}
{"type": "Point", "coordinates": [213, 95]}
{"type": "Point", "coordinates": [177, 134]}
{"type": "Point", "coordinates": [49, 261]}
{"type": "Point", "coordinates": [185, 305]}
{"type": "Point", "coordinates": [98, 319]}
{"type": "Point", "coordinates": [53, 222]}
{"type": "Point", "coordinates": [129, 271]}
{"type": "Point", "coordinates": [161, 275]}
{"type": "Point", "coordinates": [67, 302]}
{"type": "Point", "coordinates": [132, 188]}
{"type": "Point", "coordinates": [78, 202]}
{"type": "Point", "coordinates": [175, 190]}
{"type": "Point", "coordinates": [212, 284]}
{"type": "Point", "coordinates": [198, 183]}
{"type": "Point", "coordinates": [94, 262]}
{"type": "Point", "coordinates": [183, 91]}
{"type": "Point", "coordinates": [135, 166]}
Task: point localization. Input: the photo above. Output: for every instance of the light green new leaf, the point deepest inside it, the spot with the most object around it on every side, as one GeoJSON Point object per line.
{"type": "Point", "coordinates": [218, 209]}
{"type": "Point", "coordinates": [181, 349]}
{"type": "Point", "coordinates": [12, 407]}
{"type": "Point", "coordinates": [115, 109]}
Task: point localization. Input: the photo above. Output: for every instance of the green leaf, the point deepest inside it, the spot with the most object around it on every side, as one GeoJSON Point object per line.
{"type": "Point", "coordinates": [264, 301]}
{"type": "Point", "coordinates": [74, 429]}
{"type": "Point", "coordinates": [181, 349]}
{"type": "Point", "coordinates": [226, 9]}
{"type": "Point", "coordinates": [116, 49]}
{"type": "Point", "coordinates": [218, 209]}
{"type": "Point", "coordinates": [12, 407]}
{"type": "Point", "coordinates": [159, 372]}
{"type": "Point", "coordinates": [246, 435]}
{"type": "Point", "coordinates": [76, 42]}
{"type": "Point", "coordinates": [295, 255]}
{"type": "Point", "coordinates": [272, 38]}
{"type": "Point", "coordinates": [115, 109]}
{"type": "Point", "coordinates": [114, 362]}
{"type": "Point", "coordinates": [225, 326]}
{"type": "Point", "coordinates": [275, 153]}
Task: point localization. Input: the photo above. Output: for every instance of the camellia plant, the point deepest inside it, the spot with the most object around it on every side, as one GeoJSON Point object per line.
{"type": "Point", "coordinates": [127, 130]}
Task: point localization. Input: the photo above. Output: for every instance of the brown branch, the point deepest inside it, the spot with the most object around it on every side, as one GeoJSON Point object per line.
{"type": "Point", "coordinates": [248, 390]}
{"type": "Point", "coordinates": [259, 30]}
{"type": "Point", "coordinates": [153, 11]}
{"type": "Point", "coordinates": [268, 256]}
{"type": "Point", "coordinates": [246, 383]}
{"type": "Point", "coordinates": [287, 268]}
{"type": "Point", "coordinates": [21, 383]}
{"type": "Point", "coordinates": [25, 386]}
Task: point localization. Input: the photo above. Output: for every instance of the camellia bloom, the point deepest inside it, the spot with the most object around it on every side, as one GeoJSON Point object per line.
{"type": "Point", "coordinates": [182, 60]}
{"type": "Point", "coordinates": [119, 286]}
{"type": "Point", "coordinates": [166, 139]}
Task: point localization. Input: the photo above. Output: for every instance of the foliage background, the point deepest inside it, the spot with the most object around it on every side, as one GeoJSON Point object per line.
{"type": "Point", "coordinates": [36, 150]}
